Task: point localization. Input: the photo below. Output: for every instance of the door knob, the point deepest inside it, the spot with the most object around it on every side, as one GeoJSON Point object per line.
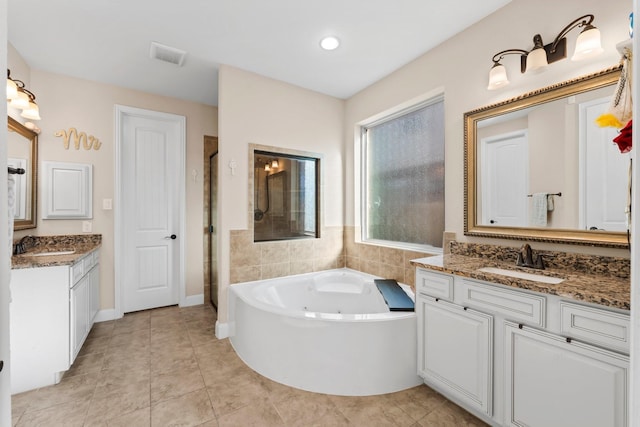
{"type": "Point", "coordinates": [172, 237]}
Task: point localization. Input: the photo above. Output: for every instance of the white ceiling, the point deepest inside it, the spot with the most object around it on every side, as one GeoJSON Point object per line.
{"type": "Point", "coordinates": [108, 40]}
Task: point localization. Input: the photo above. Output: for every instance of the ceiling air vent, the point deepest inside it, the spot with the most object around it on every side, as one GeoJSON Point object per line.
{"type": "Point", "coordinates": [167, 54]}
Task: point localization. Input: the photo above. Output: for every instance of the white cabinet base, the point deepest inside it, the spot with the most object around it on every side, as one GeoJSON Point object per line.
{"type": "Point", "coordinates": [39, 313]}
{"type": "Point", "coordinates": [546, 378]}
{"type": "Point", "coordinates": [455, 351]}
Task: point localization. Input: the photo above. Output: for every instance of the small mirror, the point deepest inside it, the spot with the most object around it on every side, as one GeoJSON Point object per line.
{"type": "Point", "coordinates": [22, 152]}
{"type": "Point", "coordinates": [285, 196]}
{"type": "Point", "coordinates": [539, 168]}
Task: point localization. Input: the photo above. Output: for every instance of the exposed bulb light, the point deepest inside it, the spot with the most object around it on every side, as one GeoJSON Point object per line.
{"type": "Point", "coordinates": [329, 43]}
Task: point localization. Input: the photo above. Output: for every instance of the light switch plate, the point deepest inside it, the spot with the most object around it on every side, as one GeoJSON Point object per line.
{"type": "Point", "coordinates": [86, 226]}
{"type": "Point", "coordinates": [107, 204]}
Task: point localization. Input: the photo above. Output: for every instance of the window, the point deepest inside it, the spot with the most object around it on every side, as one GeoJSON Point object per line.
{"type": "Point", "coordinates": [403, 178]}
{"type": "Point", "coordinates": [285, 196]}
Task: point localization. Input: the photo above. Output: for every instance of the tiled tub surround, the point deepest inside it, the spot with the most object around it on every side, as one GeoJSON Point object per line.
{"type": "Point", "coordinates": [265, 260]}
{"type": "Point", "coordinates": [81, 244]}
{"type": "Point", "coordinates": [390, 263]}
{"type": "Point", "coordinates": [593, 279]}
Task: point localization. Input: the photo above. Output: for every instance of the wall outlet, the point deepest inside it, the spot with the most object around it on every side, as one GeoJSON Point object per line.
{"type": "Point", "coordinates": [86, 226]}
{"type": "Point", "coordinates": [107, 204]}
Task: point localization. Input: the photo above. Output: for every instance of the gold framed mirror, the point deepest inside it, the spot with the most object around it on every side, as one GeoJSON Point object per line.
{"type": "Point", "coordinates": [538, 168]}
{"type": "Point", "coordinates": [22, 152]}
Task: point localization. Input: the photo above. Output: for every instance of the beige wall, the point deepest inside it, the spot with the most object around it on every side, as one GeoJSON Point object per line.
{"type": "Point", "coordinates": [89, 107]}
{"type": "Point", "coordinates": [461, 66]}
{"type": "Point", "coordinates": [266, 112]}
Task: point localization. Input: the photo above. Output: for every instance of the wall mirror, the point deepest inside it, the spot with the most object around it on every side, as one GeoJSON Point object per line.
{"type": "Point", "coordinates": [285, 196]}
{"type": "Point", "coordinates": [537, 167]}
{"type": "Point", "coordinates": [22, 152]}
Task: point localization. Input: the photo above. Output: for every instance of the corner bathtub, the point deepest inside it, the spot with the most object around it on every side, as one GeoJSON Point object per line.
{"type": "Point", "coordinates": [328, 332]}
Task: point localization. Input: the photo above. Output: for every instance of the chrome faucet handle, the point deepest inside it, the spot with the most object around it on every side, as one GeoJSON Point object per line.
{"type": "Point", "coordinates": [539, 263]}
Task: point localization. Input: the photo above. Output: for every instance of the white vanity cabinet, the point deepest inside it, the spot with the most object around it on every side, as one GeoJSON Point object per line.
{"type": "Point", "coordinates": [520, 358]}
{"type": "Point", "coordinates": [52, 310]}
{"type": "Point", "coordinates": [554, 381]}
{"type": "Point", "coordinates": [84, 300]}
{"type": "Point", "coordinates": [455, 350]}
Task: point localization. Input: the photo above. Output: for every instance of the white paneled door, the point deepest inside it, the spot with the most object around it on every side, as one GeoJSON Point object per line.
{"type": "Point", "coordinates": [505, 179]}
{"type": "Point", "coordinates": [151, 160]}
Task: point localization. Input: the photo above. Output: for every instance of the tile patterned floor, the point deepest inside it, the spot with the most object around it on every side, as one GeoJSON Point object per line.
{"type": "Point", "coordinates": [164, 367]}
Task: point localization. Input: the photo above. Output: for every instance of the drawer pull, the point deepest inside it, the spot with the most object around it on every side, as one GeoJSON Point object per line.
{"type": "Point", "coordinates": [568, 340]}
{"type": "Point", "coordinates": [437, 299]}
{"type": "Point", "coordinates": [465, 308]}
{"type": "Point", "coordinates": [520, 325]}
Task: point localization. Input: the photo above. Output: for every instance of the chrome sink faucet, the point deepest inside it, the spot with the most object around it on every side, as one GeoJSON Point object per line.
{"type": "Point", "coordinates": [21, 247]}
{"type": "Point", "coordinates": [526, 258]}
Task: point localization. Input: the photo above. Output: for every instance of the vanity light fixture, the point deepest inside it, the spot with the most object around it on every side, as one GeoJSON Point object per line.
{"type": "Point", "coordinates": [18, 96]}
{"type": "Point", "coordinates": [267, 167]}
{"type": "Point", "coordinates": [587, 46]}
{"type": "Point", "coordinates": [275, 164]}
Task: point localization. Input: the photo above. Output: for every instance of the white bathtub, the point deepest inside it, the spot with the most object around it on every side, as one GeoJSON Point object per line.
{"type": "Point", "coordinates": [329, 332]}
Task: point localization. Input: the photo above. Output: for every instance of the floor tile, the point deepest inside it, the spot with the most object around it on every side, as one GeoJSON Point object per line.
{"type": "Point", "coordinates": [190, 409]}
{"type": "Point", "coordinates": [67, 414]}
{"type": "Point", "coordinates": [165, 367]}
{"type": "Point", "coordinates": [120, 401]}
{"type": "Point", "coordinates": [70, 389]}
{"type": "Point", "coordinates": [260, 414]}
{"type": "Point", "coordinates": [173, 384]}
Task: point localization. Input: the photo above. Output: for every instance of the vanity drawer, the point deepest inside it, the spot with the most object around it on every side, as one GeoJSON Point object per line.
{"type": "Point", "coordinates": [595, 325]}
{"type": "Point", "coordinates": [89, 262]}
{"type": "Point", "coordinates": [77, 271]}
{"type": "Point", "coordinates": [512, 304]}
{"type": "Point", "coordinates": [434, 284]}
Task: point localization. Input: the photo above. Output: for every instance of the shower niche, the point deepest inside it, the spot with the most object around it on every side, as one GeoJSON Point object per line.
{"type": "Point", "coordinates": [285, 196]}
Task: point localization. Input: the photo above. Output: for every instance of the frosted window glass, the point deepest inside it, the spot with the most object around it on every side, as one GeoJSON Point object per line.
{"type": "Point", "coordinates": [404, 184]}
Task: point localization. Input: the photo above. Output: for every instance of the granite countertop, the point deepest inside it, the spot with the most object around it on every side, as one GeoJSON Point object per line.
{"type": "Point", "coordinates": [80, 244]}
{"type": "Point", "coordinates": [594, 287]}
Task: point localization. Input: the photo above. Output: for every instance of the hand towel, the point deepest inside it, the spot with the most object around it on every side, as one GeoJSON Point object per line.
{"type": "Point", "coordinates": [550, 202]}
{"type": "Point", "coordinates": [539, 211]}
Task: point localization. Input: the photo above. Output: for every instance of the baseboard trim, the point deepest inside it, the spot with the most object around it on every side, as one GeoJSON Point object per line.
{"type": "Point", "coordinates": [106, 315]}
{"type": "Point", "coordinates": [192, 300]}
{"type": "Point", "coordinates": [222, 330]}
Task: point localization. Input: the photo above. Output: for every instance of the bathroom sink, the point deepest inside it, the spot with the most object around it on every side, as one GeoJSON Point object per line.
{"type": "Point", "coordinates": [522, 275]}
{"type": "Point", "coordinates": [53, 253]}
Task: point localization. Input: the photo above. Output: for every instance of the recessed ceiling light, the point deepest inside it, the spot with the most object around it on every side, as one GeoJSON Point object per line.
{"type": "Point", "coordinates": [329, 43]}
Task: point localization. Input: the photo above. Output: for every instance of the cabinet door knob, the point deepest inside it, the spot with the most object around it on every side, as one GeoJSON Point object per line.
{"type": "Point", "coordinates": [172, 237]}
{"type": "Point", "coordinates": [1, 365]}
